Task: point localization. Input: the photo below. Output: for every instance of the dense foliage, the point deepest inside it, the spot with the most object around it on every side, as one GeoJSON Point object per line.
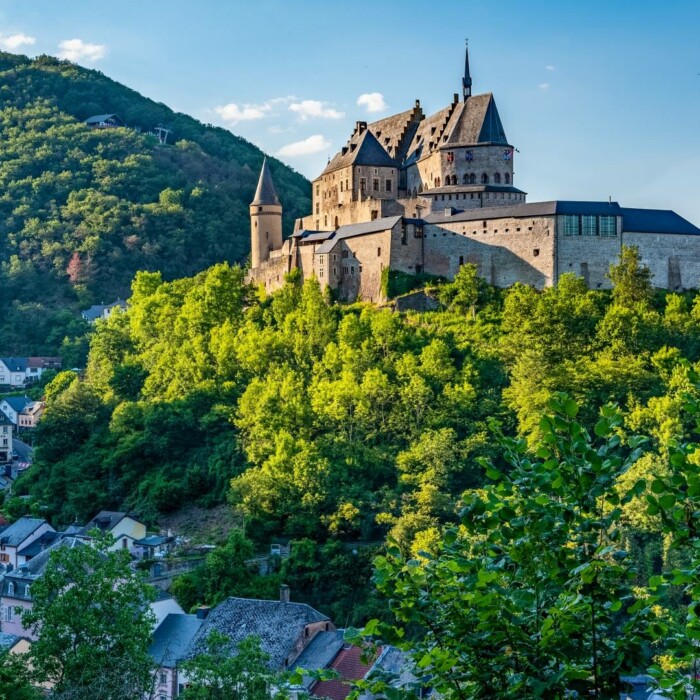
{"type": "Point", "coordinates": [82, 210]}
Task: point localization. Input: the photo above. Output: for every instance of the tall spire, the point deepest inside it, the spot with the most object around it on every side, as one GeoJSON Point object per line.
{"type": "Point", "coordinates": [467, 79]}
{"type": "Point", "coordinates": [265, 193]}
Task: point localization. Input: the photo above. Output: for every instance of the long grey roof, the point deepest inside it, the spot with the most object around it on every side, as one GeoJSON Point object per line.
{"type": "Point", "coordinates": [265, 192]}
{"type": "Point", "coordinates": [656, 221]}
{"type": "Point", "coordinates": [362, 149]}
{"type": "Point", "coordinates": [15, 534]}
{"type": "Point", "coordinates": [319, 653]}
{"type": "Point", "coordinates": [173, 637]}
{"type": "Point", "coordinates": [278, 625]}
{"type": "Point", "coordinates": [352, 230]}
{"type": "Point", "coordinates": [40, 544]}
{"type": "Point", "coordinates": [550, 208]}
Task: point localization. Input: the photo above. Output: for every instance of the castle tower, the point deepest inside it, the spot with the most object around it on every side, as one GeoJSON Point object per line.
{"type": "Point", "coordinates": [467, 79]}
{"type": "Point", "coordinates": [265, 219]}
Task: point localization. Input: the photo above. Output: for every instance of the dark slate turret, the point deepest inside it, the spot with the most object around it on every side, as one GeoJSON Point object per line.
{"type": "Point", "coordinates": [467, 79]}
{"type": "Point", "coordinates": [265, 193]}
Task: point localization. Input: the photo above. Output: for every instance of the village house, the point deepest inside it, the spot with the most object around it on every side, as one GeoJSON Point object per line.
{"type": "Point", "coordinates": [6, 428]}
{"type": "Point", "coordinates": [17, 537]}
{"type": "Point", "coordinates": [99, 312]}
{"type": "Point", "coordinates": [19, 371]}
{"type": "Point", "coordinates": [125, 528]}
{"type": "Point", "coordinates": [105, 121]}
{"type": "Point", "coordinates": [12, 406]}
{"type": "Point", "coordinates": [31, 414]}
{"type": "Point", "coordinates": [154, 546]}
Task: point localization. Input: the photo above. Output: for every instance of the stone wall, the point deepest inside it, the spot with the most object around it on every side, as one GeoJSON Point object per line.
{"type": "Point", "coordinates": [505, 251]}
{"type": "Point", "coordinates": [271, 272]}
{"type": "Point", "coordinates": [673, 259]}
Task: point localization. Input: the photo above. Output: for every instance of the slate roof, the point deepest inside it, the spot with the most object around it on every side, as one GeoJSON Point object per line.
{"type": "Point", "coordinates": [106, 520]}
{"type": "Point", "coordinates": [352, 230]}
{"type": "Point", "coordinates": [656, 221]}
{"type": "Point", "coordinates": [319, 653]}
{"type": "Point", "coordinates": [45, 362]}
{"type": "Point", "coordinates": [394, 133]}
{"type": "Point", "coordinates": [430, 130]}
{"type": "Point", "coordinates": [278, 625]}
{"type": "Point", "coordinates": [15, 364]}
{"type": "Point", "coordinates": [152, 541]}
{"type": "Point", "coordinates": [99, 118]}
{"type": "Point", "coordinates": [96, 310]}
{"type": "Point", "coordinates": [39, 544]}
{"type": "Point", "coordinates": [476, 121]}
{"type": "Point", "coordinates": [362, 149]}
{"type": "Point", "coordinates": [18, 403]}
{"type": "Point", "coordinates": [4, 420]}
{"type": "Point", "coordinates": [15, 534]}
{"type": "Point", "coordinates": [309, 236]}
{"type": "Point", "coordinates": [350, 667]}
{"type": "Point", "coordinates": [265, 192]}
{"type": "Point", "coordinates": [172, 639]}
{"type": "Point", "coordinates": [451, 189]}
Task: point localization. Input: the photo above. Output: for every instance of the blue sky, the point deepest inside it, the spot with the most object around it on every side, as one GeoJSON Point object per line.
{"type": "Point", "coordinates": [601, 98]}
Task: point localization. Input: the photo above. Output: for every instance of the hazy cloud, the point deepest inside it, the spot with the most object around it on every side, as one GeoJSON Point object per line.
{"type": "Point", "coordinates": [235, 113]}
{"type": "Point", "coordinates": [79, 50]}
{"type": "Point", "coordinates": [314, 109]}
{"type": "Point", "coordinates": [16, 41]}
{"type": "Point", "coordinates": [550, 68]}
{"type": "Point", "coordinates": [543, 86]}
{"type": "Point", "coordinates": [314, 144]}
{"type": "Point", "coordinates": [372, 102]}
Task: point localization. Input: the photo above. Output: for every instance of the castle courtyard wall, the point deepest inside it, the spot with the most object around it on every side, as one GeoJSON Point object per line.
{"type": "Point", "coordinates": [673, 259]}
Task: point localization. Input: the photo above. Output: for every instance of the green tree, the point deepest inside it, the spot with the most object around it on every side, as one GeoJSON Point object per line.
{"type": "Point", "coordinates": [222, 673]}
{"type": "Point", "coordinates": [91, 613]}
{"type": "Point", "coordinates": [631, 280]}
{"type": "Point", "coordinates": [15, 679]}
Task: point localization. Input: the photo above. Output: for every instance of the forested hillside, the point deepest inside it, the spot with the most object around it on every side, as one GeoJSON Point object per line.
{"type": "Point", "coordinates": [81, 210]}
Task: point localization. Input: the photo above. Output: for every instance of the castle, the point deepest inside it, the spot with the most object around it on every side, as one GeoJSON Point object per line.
{"type": "Point", "coordinates": [419, 194]}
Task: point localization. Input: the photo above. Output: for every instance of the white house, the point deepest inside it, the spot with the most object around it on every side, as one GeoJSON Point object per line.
{"type": "Point", "coordinates": [18, 536]}
{"type": "Point", "coordinates": [12, 406]}
{"type": "Point", "coordinates": [123, 527]}
{"type": "Point", "coordinates": [18, 371]}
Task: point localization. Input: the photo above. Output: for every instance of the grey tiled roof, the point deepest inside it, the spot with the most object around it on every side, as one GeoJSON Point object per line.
{"type": "Point", "coordinates": [15, 364]}
{"type": "Point", "coordinates": [18, 403]}
{"type": "Point", "coordinates": [319, 653]}
{"type": "Point", "coordinates": [105, 520]}
{"type": "Point", "coordinates": [16, 533]}
{"type": "Point", "coordinates": [172, 639]}
{"type": "Point", "coordinates": [152, 541]}
{"type": "Point", "coordinates": [265, 192]}
{"type": "Point", "coordinates": [362, 149]}
{"type": "Point", "coordinates": [476, 121]}
{"type": "Point", "coordinates": [656, 221]}
{"type": "Point", "coordinates": [7, 641]}
{"type": "Point", "coordinates": [99, 118]}
{"type": "Point", "coordinates": [39, 544]}
{"type": "Point", "coordinates": [352, 230]}
{"type": "Point", "coordinates": [278, 625]}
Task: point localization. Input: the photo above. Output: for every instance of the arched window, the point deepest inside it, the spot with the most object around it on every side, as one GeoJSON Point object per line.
{"type": "Point", "coordinates": [472, 179]}
{"type": "Point", "coordinates": [420, 188]}
{"type": "Point", "coordinates": [437, 182]}
{"type": "Point", "coordinates": [497, 178]}
{"type": "Point", "coordinates": [10, 588]}
{"type": "Point", "coordinates": [507, 178]}
{"type": "Point", "coordinates": [454, 179]}
{"type": "Point", "coordinates": [484, 179]}
{"type": "Point", "coordinates": [336, 222]}
{"type": "Point", "coordinates": [465, 179]}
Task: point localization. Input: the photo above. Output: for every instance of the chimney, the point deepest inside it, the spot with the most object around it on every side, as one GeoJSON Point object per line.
{"type": "Point", "coordinates": [284, 593]}
{"type": "Point", "coordinates": [360, 127]}
{"type": "Point", "coordinates": [203, 612]}
{"type": "Point", "coordinates": [455, 98]}
{"type": "Point", "coordinates": [417, 103]}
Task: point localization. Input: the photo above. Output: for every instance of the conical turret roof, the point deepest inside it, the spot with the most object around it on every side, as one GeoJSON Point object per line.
{"type": "Point", "coordinates": [265, 193]}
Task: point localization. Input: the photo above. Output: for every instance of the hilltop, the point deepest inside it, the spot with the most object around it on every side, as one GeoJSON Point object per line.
{"type": "Point", "coordinates": [82, 210]}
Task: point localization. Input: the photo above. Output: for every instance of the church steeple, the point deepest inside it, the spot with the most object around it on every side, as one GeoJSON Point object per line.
{"type": "Point", "coordinates": [467, 79]}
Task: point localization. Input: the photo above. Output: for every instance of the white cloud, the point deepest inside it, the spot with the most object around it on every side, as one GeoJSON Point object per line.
{"type": "Point", "coordinates": [235, 113]}
{"type": "Point", "coordinates": [372, 102]}
{"type": "Point", "coordinates": [314, 109]}
{"type": "Point", "coordinates": [79, 50]}
{"type": "Point", "coordinates": [543, 86]}
{"type": "Point", "coordinates": [549, 68]}
{"type": "Point", "coordinates": [16, 41]}
{"type": "Point", "coordinates": [314, 144]}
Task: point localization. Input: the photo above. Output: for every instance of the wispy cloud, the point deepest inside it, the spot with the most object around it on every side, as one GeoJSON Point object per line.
{"type": "Point", "coordinates": [372, 102]}
{"type": "Point", "coordinates": [550, 67]}
{"type": "Point", "coordinates": [16, 41]}
{"type": "Point", "coordinates": [314, 109]}
{"type": "Point", "coordinates": [234, 113]}
{"type": "Point", "coordinates": [313, 144]}
{"type": "Point", "coordinates": [79, 50]}
{"type": "Point", "coordinates": [543, 86]}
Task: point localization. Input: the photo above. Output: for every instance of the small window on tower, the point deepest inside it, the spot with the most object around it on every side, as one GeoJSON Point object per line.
{"type": "Point", "coordinates": [379, 252]}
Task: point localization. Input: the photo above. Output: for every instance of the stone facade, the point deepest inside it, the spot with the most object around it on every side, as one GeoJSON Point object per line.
{"type": "Point", "coordinates": [419, 194]}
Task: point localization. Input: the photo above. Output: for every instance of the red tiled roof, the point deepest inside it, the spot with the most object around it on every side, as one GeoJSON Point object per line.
{"type": "Point", "coordinates": [350, 667]}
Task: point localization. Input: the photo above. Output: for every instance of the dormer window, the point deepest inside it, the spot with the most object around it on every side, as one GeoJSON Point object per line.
{"type": "Point", "coordinates": [10, 588]}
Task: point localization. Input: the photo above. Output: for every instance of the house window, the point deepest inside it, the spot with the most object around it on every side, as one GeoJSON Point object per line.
{"type": "Point", "coordinates": [607, 225]}
{"type": "Point", "coordinates": [388, 185]}
{"type": "Point", "coordinates": [320, 272]}
{"type": "Point", "coordinates": [341, 185]}
{"type": "Point", "coordinates": [8, 613]}
{"type": "Point", "coordinates": [589, 225]}
{"type": "Point", "coordinates": [335, 270]}
{"type": "Point", "coordinates": [10, 588]}
{"type": "Point", "coordinates": [123, 542]}
{"type": "Point", "coordinates": [375, 184]}
{"type": "Point", "coordinates": [572, 226]}
{"type": "Point", "coordinates": [363, 184]}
